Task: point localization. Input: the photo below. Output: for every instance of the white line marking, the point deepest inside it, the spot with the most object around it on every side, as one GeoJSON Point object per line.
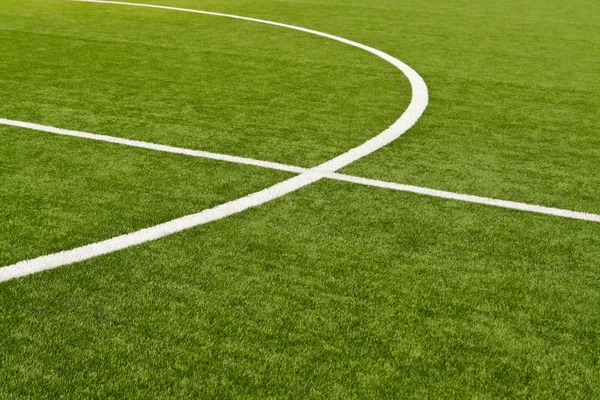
{"type": "Point", "coordinates": [414, 111]}
{"type": "Point", "coordinates": [152, 146]}
{"type": "Point", "coordinates": [410, 116]}
{"type": "Point", "coordinates": [329, 175]}
{"type": "Point", "coordinates": [468, 198]}
{"type": "Point", "coordinates": [306, 177]}
{"type": "Point", "coordinates": [156, 232]}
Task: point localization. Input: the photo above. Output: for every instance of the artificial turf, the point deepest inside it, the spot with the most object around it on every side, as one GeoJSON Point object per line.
{"type": "Point", "coordinates": [337, 290]}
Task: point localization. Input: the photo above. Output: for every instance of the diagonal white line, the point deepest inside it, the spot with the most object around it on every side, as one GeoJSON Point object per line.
{"type": "Point", "coordinates": [326, 170]}
{"type": "Point", "coordinates": [513, 205]}
{"type": "Point", "coordinates": [152, 146]}
{"type": "Point", "coordinates": [51, 261]}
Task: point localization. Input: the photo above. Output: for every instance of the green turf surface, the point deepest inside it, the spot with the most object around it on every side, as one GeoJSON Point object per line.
{"type": "Point", "coordinates": [337, 290]}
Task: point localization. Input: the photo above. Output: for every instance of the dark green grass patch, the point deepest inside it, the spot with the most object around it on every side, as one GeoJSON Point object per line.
{"type": "Point", "coordinates": [57, 193]}
{"type": "Point", "coordinates": [397, 296]}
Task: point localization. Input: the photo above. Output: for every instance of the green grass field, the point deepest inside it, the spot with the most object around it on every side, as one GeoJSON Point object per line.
{"type": "Point", "coordinates": [336, 290]}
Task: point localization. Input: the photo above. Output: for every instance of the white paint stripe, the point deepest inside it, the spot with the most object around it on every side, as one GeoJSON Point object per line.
{"type": "Point", "coordinates": [152, 146]}
{"type": "Point", "coordinates": [467, 197]}
{"type": "Point", "coordinates": [51, 261]}
{"type": "Point", "coordinates": [329, 175]}
{"type": "Point", "coordinates": [406, 121]}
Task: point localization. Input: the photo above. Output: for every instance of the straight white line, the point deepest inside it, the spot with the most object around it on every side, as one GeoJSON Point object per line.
{"type": "Point", "coordinates": [305, 178]}
{"type": "Point", "coordinates": [467, 198]}
{"type": "Point", "coordinates": [152, 146]}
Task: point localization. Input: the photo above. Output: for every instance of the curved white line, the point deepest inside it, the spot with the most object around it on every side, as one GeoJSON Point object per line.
{"type": "Point", "coordinates": [414, 111]}
{"type": "Point", "coordinates": [419, 101]}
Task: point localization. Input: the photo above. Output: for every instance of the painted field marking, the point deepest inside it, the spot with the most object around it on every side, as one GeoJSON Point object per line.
{"type": "Point", "coordinates": [419, 100]}
{"type": "Point", "coordinates": [513, 205]}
